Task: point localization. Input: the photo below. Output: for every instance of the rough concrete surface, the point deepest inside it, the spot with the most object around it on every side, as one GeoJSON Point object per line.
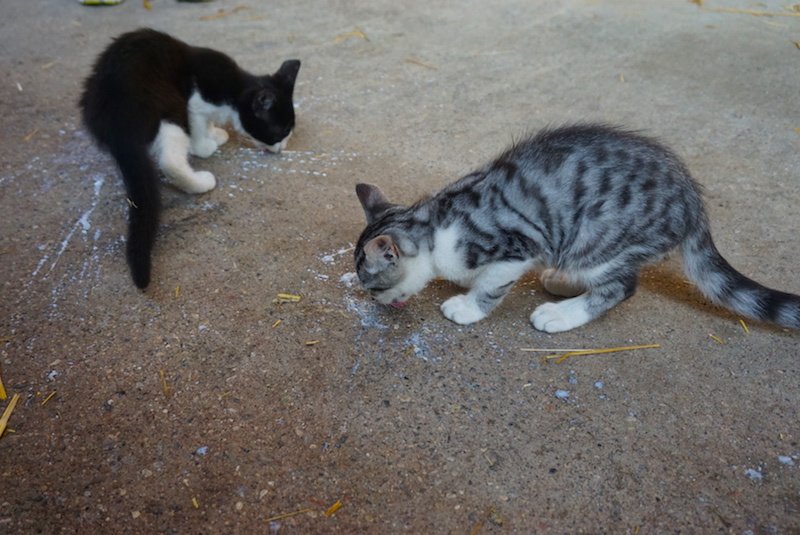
{"type": "Point", "coordinates": [200, 406]}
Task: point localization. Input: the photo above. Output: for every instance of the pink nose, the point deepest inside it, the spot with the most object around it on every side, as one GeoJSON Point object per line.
{"type": "Point", "coordinates": [397, 304]}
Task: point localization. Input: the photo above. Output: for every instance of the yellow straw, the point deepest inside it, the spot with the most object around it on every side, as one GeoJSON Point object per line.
{"type": "Point", "coordinates": [287, 515]}
{"type": "Point", "coordinates": [581, 352]}
{"type": "Point", "coordinates": [164, 385]}
{"type": "Point", "coordinates": [7, 413]}
{"type": "Point", "coordinates": [717, 339]}
{"type": "Point", "coordinates": [333, 508]}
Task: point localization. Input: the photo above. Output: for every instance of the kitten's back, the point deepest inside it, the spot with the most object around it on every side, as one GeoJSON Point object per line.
{"type": "Point", "coordinates": [139, 80]}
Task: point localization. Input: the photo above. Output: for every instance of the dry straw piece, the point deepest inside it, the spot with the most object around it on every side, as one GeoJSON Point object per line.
{"type": "Point", "coordinates": [7, 413]}
{"type": "Point", "coordinates": [744, 326]}
{"type": "Point", "coordinates": [164, 386]}
{"type": "Point", "coordinates": [287, 515]}
{"type": "Point", "coordinates": [48, 398]}
{"type": "Point", "coordinates": [564, 354]}
{"type": "Point", "coordinates": [717, 339]}
{"type": "Point", "coordinates": [333, 508]}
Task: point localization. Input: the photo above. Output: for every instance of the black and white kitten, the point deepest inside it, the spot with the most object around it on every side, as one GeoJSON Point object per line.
{"type": "Point", "coordinates": [154, 100]}
{"type": "Point", "coordinates": [587, 204]}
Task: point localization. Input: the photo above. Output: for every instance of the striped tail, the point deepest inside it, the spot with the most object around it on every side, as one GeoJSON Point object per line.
{"type": "Point", "coordinates": [721, 283]}
{"type": "Point", "coordinates": [141, 184]}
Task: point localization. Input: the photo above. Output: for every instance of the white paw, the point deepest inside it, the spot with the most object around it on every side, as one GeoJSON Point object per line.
{"type": "Point", "coordinates": [559, 317]}
{"type": "Point", "coordinates": [462, 310]}
{"type": "Point", "coordinates": [203, 148]}
{"type": "Point", "coordinates": [219, 135]}
{"type": "Point", "coordinates": [201, 182]}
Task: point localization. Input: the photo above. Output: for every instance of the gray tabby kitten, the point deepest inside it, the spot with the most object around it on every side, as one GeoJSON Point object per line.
{"type": "Point", "coordinates": [587, 204]}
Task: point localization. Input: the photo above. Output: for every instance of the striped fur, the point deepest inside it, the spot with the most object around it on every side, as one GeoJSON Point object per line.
{"type": "Point", "coordinates": [588, 204]}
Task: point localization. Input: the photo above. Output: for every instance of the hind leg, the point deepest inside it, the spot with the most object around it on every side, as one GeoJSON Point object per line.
{"type": "Point", "coordinates": [560, 283]}
{"type": "Point", "coordinates": [171, 151]}
{"type": "Point", "coordinates": [604, 293]}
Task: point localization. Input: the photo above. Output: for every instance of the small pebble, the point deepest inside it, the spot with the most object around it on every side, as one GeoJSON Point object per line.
{"type": "Point", "coordinates": [599, 385]}
{"type": "Point", "coordinates": [202, 450]}
{"type": "Point", "coordinates": [785, 460]}
{"type": "Point", "coordinates": [562, 394]}
{"type": "Point", "coordinates": [755, 475]}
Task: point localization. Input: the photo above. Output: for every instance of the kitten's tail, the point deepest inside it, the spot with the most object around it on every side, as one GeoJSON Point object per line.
{"type": "Point", "coordinates": [141, 183]}
{"type": "Point", "coordinates": [721, 283]}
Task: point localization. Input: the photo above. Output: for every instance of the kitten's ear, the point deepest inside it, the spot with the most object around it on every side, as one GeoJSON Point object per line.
{"type": "Point", "coordinates": [263, 101]}
{"type": "Point", "coordinates": [380, 253]}
{"type": "Point", "coordinates": [406, 245]}
{"type": "Point", "coordinates": [288, 72]}
{"type": "Point", "coordinates": [372, 200]}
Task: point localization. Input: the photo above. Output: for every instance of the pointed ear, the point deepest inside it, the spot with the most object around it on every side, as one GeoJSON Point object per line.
{"type": "Point", "coordinates": [381, 253]}
{"type": "Point", "coordinates": [263, 101]}
{"type": "Point", "coordinates": [406, 245]}
{"type": "Point", "coordinates": [372, 200]}
{"type": "Point", "coordinates": [288, 72]}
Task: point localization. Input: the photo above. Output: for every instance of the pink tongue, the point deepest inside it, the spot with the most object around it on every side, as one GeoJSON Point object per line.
{"type": "Point", "coordinates": [397, 304]}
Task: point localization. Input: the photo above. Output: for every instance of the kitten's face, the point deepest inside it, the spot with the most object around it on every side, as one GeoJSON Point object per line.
{"type": "Point", "coordinates": [384, 258]}
{"type": "Point", "coordinates": [381, 270]}
{"type": "Point", "coordinates": [266, 110]}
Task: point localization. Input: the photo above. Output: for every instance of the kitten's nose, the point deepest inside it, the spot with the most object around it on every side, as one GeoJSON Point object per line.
{"type": "Point", "coordinates": [276, 148]}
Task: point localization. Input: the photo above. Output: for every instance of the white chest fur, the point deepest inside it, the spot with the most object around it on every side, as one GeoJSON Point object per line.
{"type": "Point", "coordinates": [203, 115]}
{"type": "Point", "coordinates": [202, 111]}
{"type": "Point", "coordinates": [448, 262]}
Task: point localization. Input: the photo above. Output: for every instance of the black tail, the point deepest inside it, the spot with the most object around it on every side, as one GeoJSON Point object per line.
{"type": "Point", "coordinates": [721, 283]}
{"type": "Point", "coordinates": [141, 184]}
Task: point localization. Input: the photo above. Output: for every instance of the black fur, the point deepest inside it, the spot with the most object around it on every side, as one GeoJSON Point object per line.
{"type": "Point", "coordinates": [146, 77]}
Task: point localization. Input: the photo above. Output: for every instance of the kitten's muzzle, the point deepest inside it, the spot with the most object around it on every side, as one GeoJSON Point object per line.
{"type": "Point", "coordinates": [276, 148]}
{"type": "Point", "coordinates": [379, 296]}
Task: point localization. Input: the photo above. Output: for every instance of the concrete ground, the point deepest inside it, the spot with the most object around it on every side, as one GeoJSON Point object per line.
{"type": "Point", "coordinates": [204, 406]}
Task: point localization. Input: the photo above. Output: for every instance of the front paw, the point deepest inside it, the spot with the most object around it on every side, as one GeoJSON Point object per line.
{"type": "Point", "coordinates": [219, 135]}
{"type": "Point", "coordinates": [200, 182]}
{"type": "Point", "coordinates": [203, 148]}
{"type": "Point", "coordinates": [549, 319]}
{"type": "Point", "coordinates": [462, 310]}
